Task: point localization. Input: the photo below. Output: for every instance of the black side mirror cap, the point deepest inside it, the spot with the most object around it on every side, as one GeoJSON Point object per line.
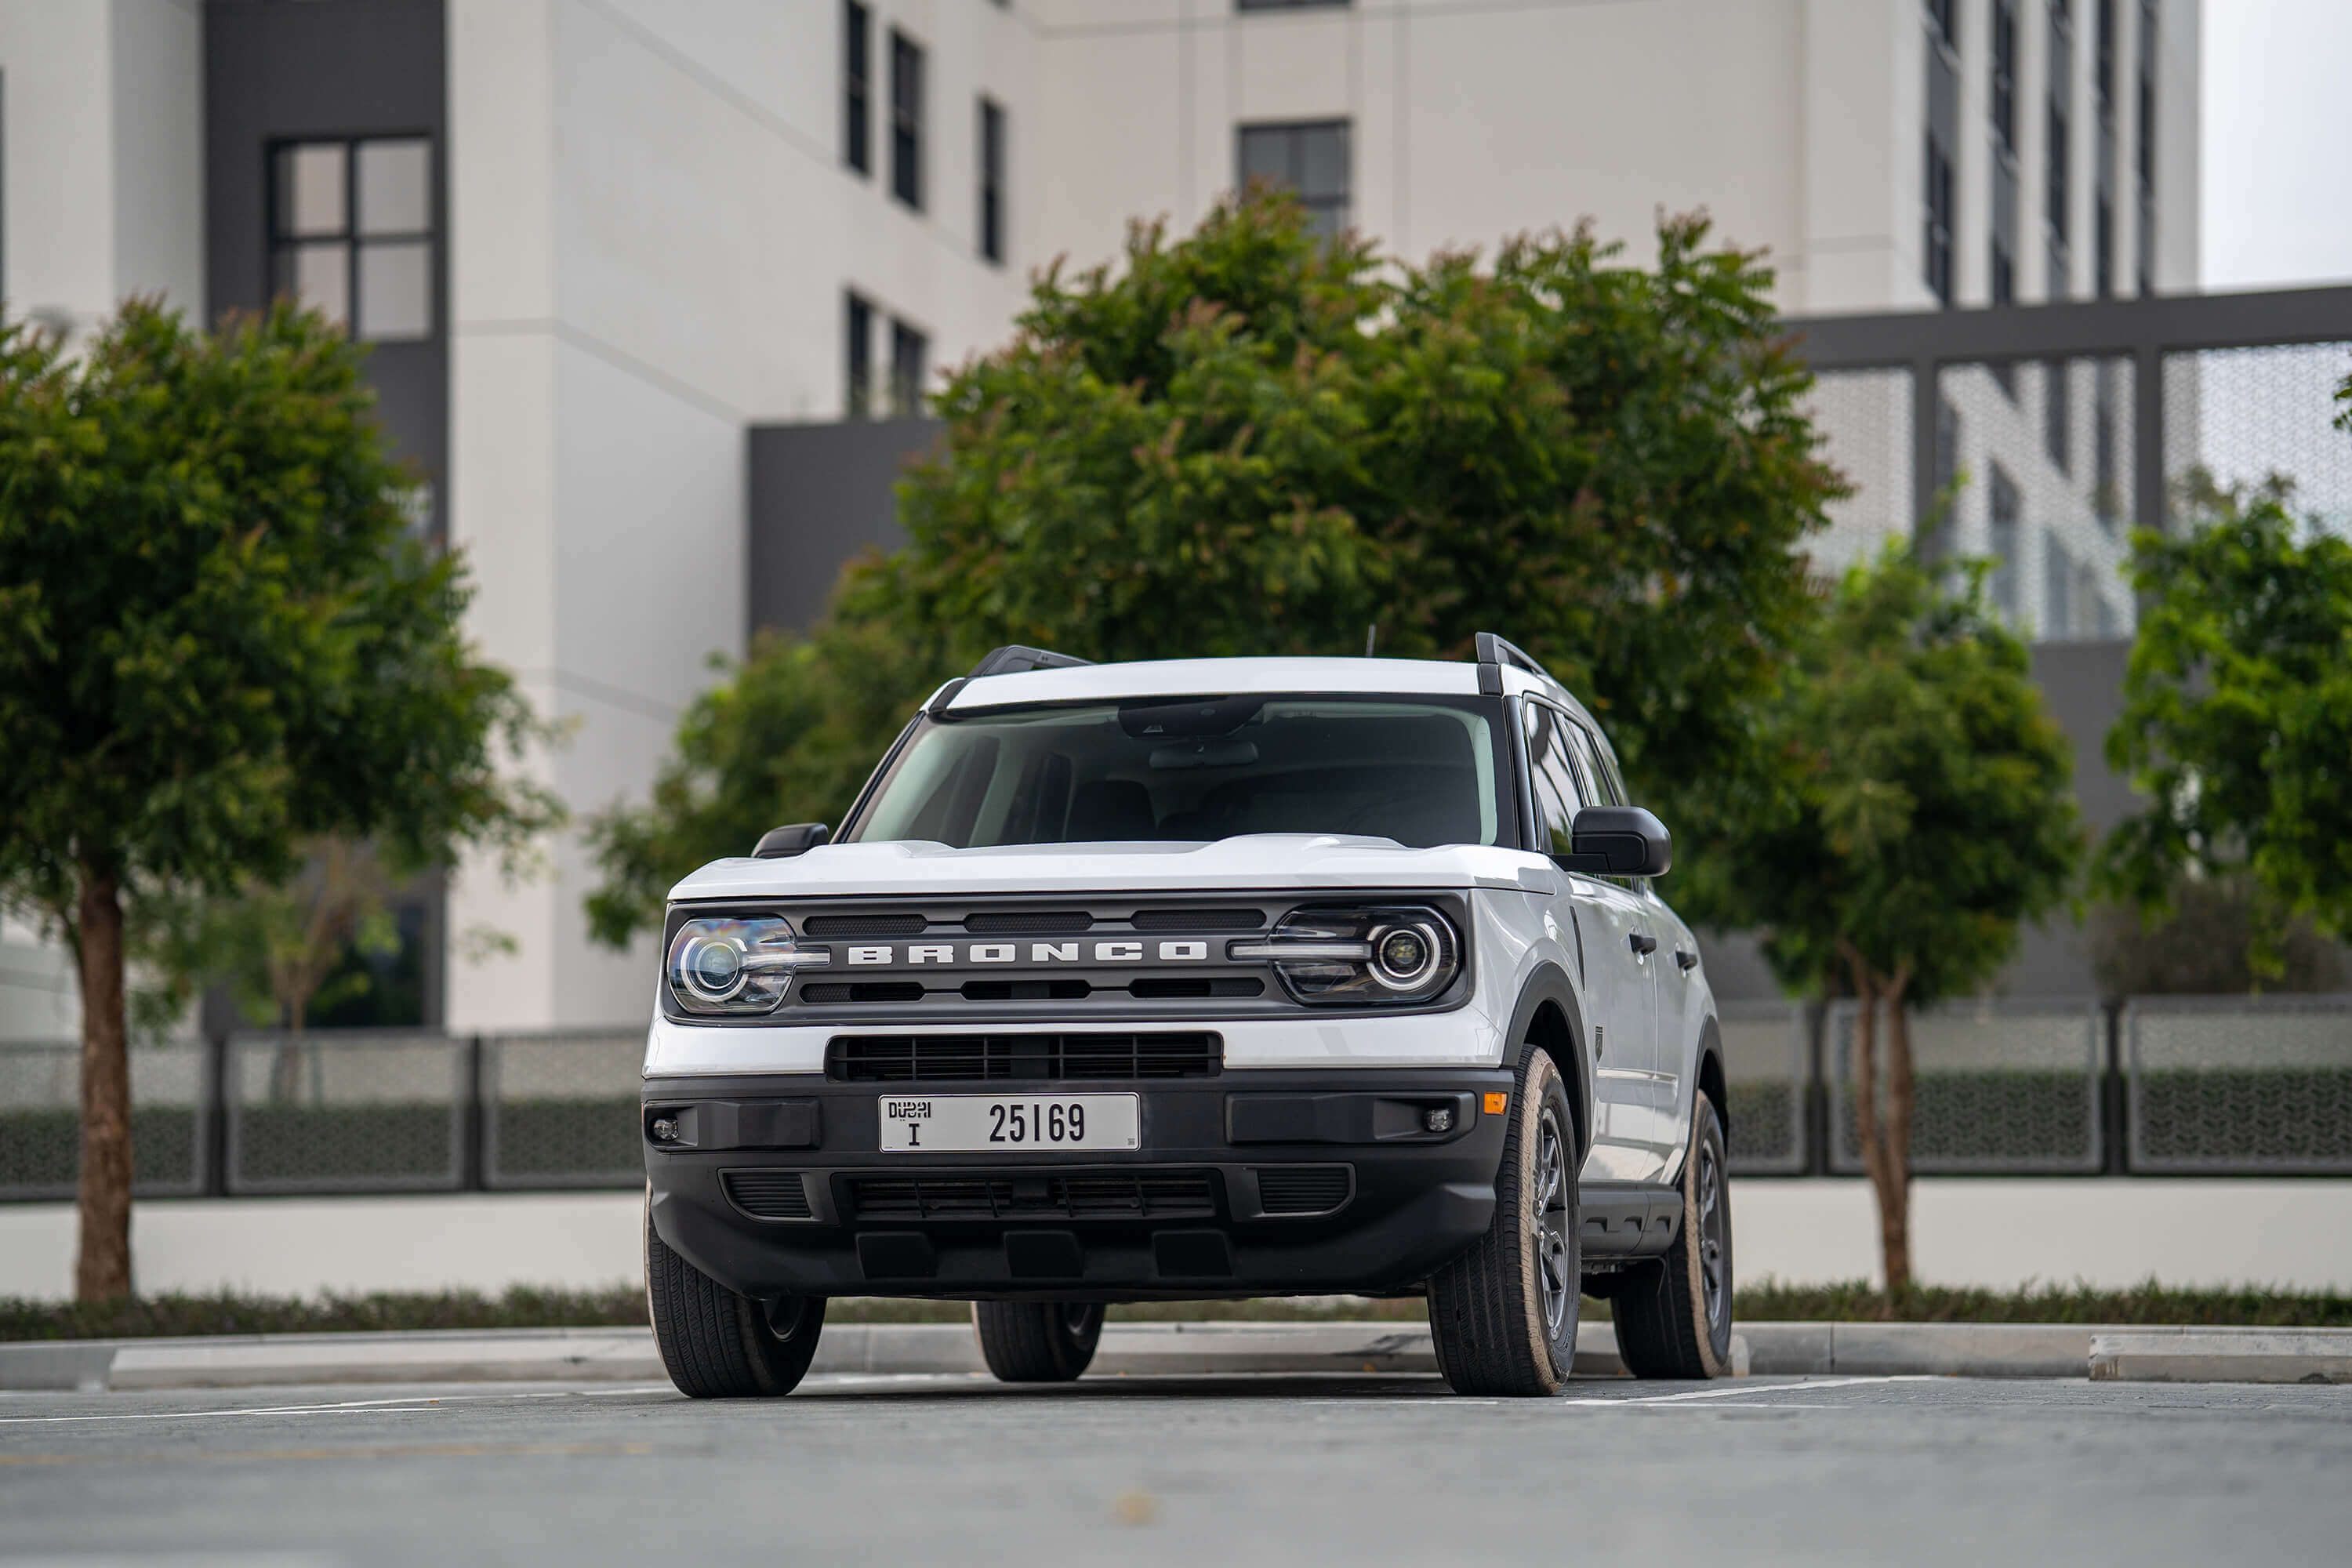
{"type": "Point", "coordinates": [1617, 841]}
{"type": "Point", "coordinates": [781, 843]}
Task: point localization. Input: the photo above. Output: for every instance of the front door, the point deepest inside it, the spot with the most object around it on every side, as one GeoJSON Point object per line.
{"type": "Point", "coordinates": [1606, 927]}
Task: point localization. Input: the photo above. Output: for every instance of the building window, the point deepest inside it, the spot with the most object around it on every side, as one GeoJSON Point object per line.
{"type": "Point", "coordinates": [350, 233]}
{"type": "Point", "coordinates": [906, 120]}
{"type": "Point", "coordinates": [2003, 260]}
{"type": "Point", "coordinates": [2147, 147]}
{"type": "Point", "coordinates": [856, 87]}
{"type": "Point", "coordinates": [2058, 155]}
{"type": "Point", "coordinates": [858, 374]}
{"type": "Point", "coordinates": [2102, 201]}
{"type": "Point", "coordinates": [1941, 137]}
{"type": "Point", "coordinates": [911, 353]}
{"type": "Point", "coordinates": [991, 181]}
{"type": "Point", "coordinates": [1311, 158]}
{"type": "Point", "coordinates": [2005, 511]}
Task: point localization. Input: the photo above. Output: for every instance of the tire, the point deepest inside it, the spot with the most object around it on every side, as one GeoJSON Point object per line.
{"type": "Point", "coordinates": [1037, 1342]}
{"type": "Point", "coordinates": [1503, 1314]}
{"type": "Point", "coordinates": [719, 1345]}
{"type": "Point", "coordinates": [1673, 1314]}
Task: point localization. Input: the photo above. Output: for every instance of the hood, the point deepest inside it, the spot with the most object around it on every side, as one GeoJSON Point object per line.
{"type": "Point", "coordinates": [1270, 860]}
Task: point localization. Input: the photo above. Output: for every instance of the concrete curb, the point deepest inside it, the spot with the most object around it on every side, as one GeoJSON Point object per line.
{"type": "Point", "coordinates": [2222, 1355]}
{"type": "Point", "coordinates": [1145, 1349]}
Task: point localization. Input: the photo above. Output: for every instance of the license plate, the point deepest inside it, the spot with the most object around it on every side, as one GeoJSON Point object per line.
{"type": "Point", "coordinates": [1004, 1123]}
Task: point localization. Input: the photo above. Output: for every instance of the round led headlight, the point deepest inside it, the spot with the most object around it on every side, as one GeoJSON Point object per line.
{"type": "Point", "coordinates": [1403, 956]}
{"type": "Point", "coordinates": [1342, 955]}
{"type": "Point", "coordinates": [737, 965]}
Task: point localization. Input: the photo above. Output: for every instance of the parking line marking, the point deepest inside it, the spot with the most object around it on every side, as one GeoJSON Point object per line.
{"type": "Point", "coordinates": [414, 1405]}
{"type": "Point", "coordinates": [1807, 1387]}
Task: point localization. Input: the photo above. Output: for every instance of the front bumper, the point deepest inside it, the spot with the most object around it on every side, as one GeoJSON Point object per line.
{"type": "Point", "coordinates": [1190, 1213]}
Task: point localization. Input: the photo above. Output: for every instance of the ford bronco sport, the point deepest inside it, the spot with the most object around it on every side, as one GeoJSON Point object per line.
{"type": "Point", "coordinates": [1197, 979]}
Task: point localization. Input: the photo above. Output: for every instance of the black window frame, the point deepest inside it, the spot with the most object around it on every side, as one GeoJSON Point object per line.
{"type": "Point", "coordinates": [991, 167]}
{"type": "Point", "coordinates": [907, 88]}
{"type": "Point", "coordinates": [857, 357]}
{"type": "Point", "coordinates": [1939, 143]}
{"type": "Point", "coordinates": [2058, 153]}
{"type": "Point", "coordinates": [282, 240]}
{"type": "Point", "coordinates": [910, 355]}
{"type": "Point", "coordinates": [1339, 208]}
{"type": "Point", "coordinates": [858, 88]}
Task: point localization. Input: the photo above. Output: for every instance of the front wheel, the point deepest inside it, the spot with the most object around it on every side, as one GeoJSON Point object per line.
{"type": "Point", "coordinates": [1503, 1314]}
{"type": "Point", "coordinates": [1037, 1342]}
{"type": "Point", "coordinates": [1674, 1313]}
{"type": "Point", "coordinates": [716, 1344]}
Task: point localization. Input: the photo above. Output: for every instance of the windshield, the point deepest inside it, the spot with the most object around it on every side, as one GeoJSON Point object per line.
{"type": "Point", "coordinates": [1419, 771]}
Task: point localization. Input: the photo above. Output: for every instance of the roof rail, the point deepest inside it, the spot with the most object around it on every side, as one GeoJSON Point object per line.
{"type": "Point", "coordinates": [1494, 653]}
{"type": "Point", "coordinates": [1014, 657]}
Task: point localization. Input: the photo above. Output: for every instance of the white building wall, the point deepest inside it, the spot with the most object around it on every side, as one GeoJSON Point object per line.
{"type": "Point", "coordinates": [651, 232]}
{"type": "Point", "coordinates": [103, 183]}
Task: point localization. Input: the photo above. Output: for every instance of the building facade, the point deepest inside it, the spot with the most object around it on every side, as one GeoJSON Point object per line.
{"type": "Point", "coordinates": [624, 265]}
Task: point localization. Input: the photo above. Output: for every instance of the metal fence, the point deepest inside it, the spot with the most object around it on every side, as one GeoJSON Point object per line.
{"type": "Point", "coordinates": [2000, 1086]}
{"type": "Point", "coordinates": [2234, 1084]}
{"type": "Point", "coordinates": [2173, 1085]}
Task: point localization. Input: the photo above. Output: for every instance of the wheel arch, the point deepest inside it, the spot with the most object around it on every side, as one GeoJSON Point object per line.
{"type": "Point", "coordinates": [1712, 1079]}
{"type": "Point", "coordinates": [1548, 1017]}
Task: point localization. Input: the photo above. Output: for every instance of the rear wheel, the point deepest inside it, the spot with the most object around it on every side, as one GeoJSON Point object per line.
{"type": "Point", "coordinates": [719, 1345]}
{"type": "Point", "coordinates": [1503, 1314]}
{"type": "Point", "coordinates": [1037, 1342]}
{"type": "Point", "coordinates": [1674, 1313]}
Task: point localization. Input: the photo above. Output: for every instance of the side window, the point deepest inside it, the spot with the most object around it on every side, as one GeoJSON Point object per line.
{"type": "Point", "coordinates": [1597, 767]}
{"type": "Point", "coordinates": [1557, 797]}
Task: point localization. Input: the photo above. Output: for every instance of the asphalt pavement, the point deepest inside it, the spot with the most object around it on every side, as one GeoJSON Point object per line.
{"type": "Point", "coordinates": [1207, 1470]}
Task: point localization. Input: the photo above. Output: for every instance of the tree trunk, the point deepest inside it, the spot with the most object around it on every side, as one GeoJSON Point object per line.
{"type": "Point", "coordinates": [103, 1272]}
{"type": "Point", "coordinates": [1895, 1217]}
{"type": "Point", "coordinates": [1885, 1140]}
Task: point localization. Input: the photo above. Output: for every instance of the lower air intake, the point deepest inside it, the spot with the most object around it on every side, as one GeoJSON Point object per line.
{"type": "Point", "coordinates": [1142, 1195]}
{"type": "Point", "coordinates": [1303, 1189]}
{"type": "Point", "coordinates": [768, 1195]}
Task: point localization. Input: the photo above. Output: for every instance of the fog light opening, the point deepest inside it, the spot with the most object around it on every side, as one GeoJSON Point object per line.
{"type": "Point", "coordinates": [1438, 1119]}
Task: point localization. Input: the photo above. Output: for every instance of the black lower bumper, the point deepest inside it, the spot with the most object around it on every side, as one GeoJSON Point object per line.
{"type": "Point", "coordinates": [1257, 1184]}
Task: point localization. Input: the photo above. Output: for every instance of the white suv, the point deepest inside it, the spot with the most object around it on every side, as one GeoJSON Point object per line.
{"type": "Point", "coordinates": [1197, 979]}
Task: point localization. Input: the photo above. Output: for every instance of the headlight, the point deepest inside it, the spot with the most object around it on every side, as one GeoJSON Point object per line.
{"type": "Point", "coordinates": [737, 965]}
{"type": "Point", "coordinates": [1362, 956]}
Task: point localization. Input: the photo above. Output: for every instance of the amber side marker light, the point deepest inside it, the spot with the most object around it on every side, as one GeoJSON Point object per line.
{"type": "Point", "coordinates": [1498, 1103]}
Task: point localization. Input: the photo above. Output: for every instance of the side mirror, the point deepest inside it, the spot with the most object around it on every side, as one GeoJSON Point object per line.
{"type": "Point", "coordinates": [778, 843]}
{"type": "Point", "coordinates": [1617, 841]}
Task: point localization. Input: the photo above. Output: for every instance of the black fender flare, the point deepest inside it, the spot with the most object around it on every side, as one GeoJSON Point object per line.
{"type": "Point", "coordinates": [1712, 1077]}
{"type": "Point", "coordinates": [1548, 987]}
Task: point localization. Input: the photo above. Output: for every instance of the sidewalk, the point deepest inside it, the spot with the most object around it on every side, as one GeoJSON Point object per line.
{"type": "Point", "coordinates": [1146, 1350]}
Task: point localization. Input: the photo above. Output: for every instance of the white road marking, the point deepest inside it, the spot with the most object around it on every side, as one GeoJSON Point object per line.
{"type": "Point", "coordinates": [1808, 1386]}
{"type": "Point", "coordinates": [414, 1405]}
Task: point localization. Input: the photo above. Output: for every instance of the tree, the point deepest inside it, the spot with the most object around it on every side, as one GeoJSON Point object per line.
{"type": "Point", "coordinates": [217, 638]}
{"type": "Point", "coordinates": [1923, 811]}
{"type": "Point", "coordinates": [2237, 719]}
{"type": "Point", "coordinates": [1253, 441]}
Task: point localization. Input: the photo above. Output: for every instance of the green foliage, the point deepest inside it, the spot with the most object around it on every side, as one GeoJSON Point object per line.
{"type": "Point", "coordinates": [2150, 1302]}
{"type": "Point", "coordinates": [216, 634]}
{"type": "Point", "coordinates": [2199, 946]}
{"type": "Point", "coordinates": [2236, 721]}
{"type": "Point", "coordinates": [1924, 809]}
{"type": "Point", "coordinates": [1251, 441]}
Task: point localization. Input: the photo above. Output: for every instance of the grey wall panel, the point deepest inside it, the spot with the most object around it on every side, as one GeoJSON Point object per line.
{"type": "Point", "coordinates": [2083, 683]}
{"type": "Point", "coordinates": [328, 68]}
{"type": "Point", "coordinates": [819, 495]}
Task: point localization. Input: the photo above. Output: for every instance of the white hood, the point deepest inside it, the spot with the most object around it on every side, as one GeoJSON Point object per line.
{"type": "Point", "coordinates": [1271, 860]}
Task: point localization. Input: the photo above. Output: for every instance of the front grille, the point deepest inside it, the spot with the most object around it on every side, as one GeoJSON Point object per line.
{"type": "Point", "coordinates": [823, 991]}
{"type": "Point", "coordinates": [1028, 922]}
{"type": "Point", "coordinates": [954, 1059]}
{"type": "Point", "coordinates": [1025, 990]}
{"type": "Point", "coordinates": [1142, 1194]}
{"type": "Point", "coordinates": [768, 1195]}
{"type": "Point", "coordinates": [1198, 920]}
{"type": "Point", "coordinates": [1195, 985]}
{"type": "Point", "coordinates": [1302, 1189]}
{"type": "Point", "coordinates": [865, 922]}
